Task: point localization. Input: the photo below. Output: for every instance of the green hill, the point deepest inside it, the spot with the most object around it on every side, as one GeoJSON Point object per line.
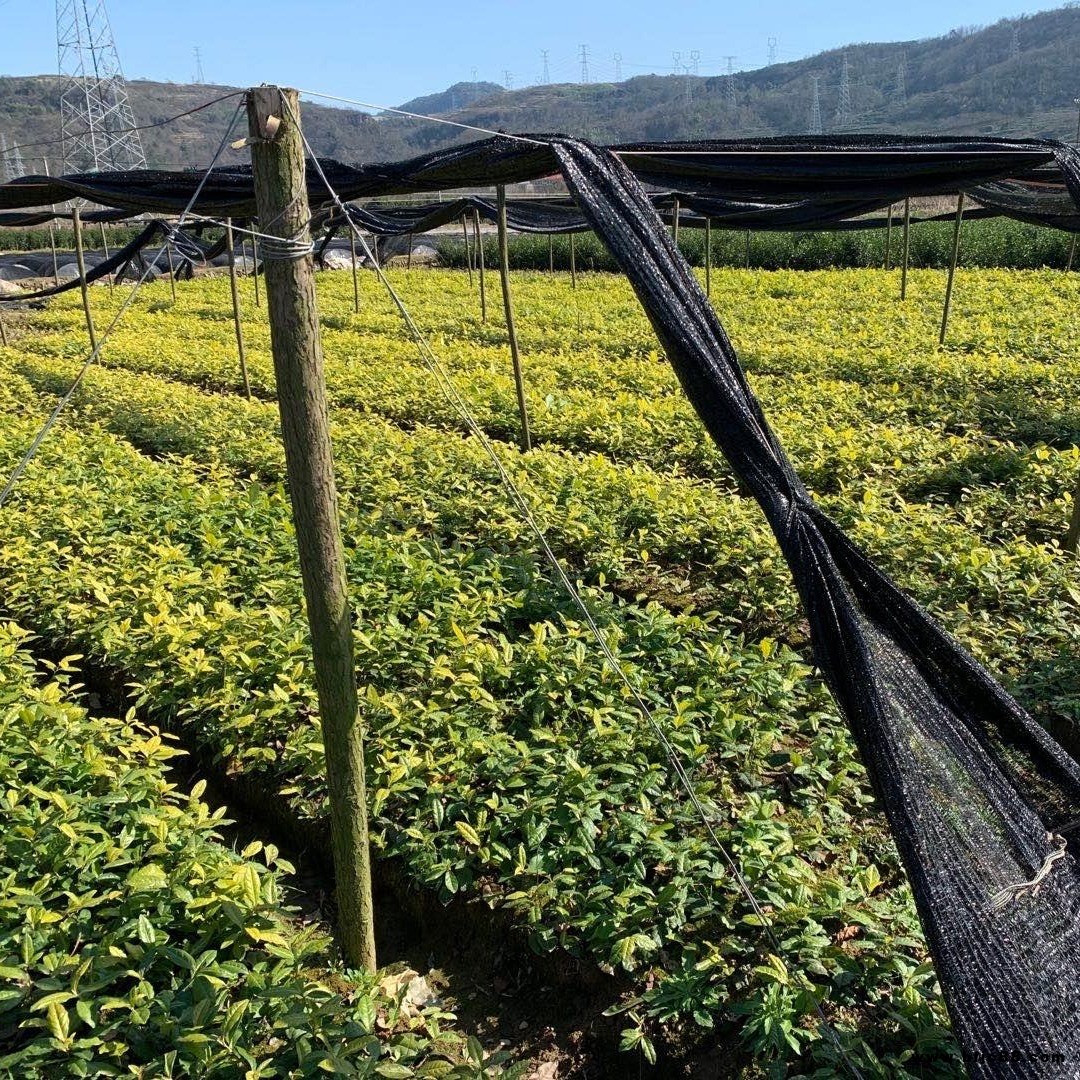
{"type": "Point", "coordinates": [1016, 77]}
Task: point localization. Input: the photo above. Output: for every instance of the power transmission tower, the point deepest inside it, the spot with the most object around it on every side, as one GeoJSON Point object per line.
{"type": "Point", "coordinates": [618, 66]}
{"type": "Point", "coordinates": [96, 121]}
{"type": "Point", "coordinates": [1014, 47]}
{"type": "Point", "coordinates": [772, 50]}
{"type": "Point", "coordinates": [901, 81]}
{"type": "Point", "coordinates": [695, 58]}
{"type": "Point", "coordinates": [676, 57]}
{"type": "Point", "coordinates": [843, 104]}
{"type": "Point", "coordinates": [688, 86]}
{"type": "Point", "coordinates": [198, 66]}
{"type": "Point", "coordinates": [584, 63]}
{"type": "Point", "coordinates": [815, 108]}
{"type": "Point", "coordinates": [545, 79]}
{"type": "Point", "coordinates": [508, 80]}
{"type": "Point", "coordinates": [729, 81]}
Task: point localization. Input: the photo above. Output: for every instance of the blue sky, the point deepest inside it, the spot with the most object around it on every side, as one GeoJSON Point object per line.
{"type": "Point", "coordinates": [389, 52]}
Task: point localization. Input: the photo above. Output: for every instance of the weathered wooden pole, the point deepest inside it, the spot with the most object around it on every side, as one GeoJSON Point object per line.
{"type": "Point", "coordinates": [3, 332]}
{"type": "Point", "coordinates": [255, 264]}
{"type": "Point", "coordinates": [952, 268]}
{"type": "Point", "coordinates": [480, 265]}
{"type": "Point", "coordinates": [888, 240]}
{"type": "Point", "coordinates": [80, 257]}
{"type": "Point", "coordinates": [277, 155]}
{"type": "Point", "coordinates": [675, 222]}
{"type": "Point", "coordinates": [708, 256]}
{"type": "Point", "coordinates": [1072, 254]}
{"type": "Point", "coordinates": [573, 262]}
{"type": "Point", "coordinates": [468, 249]}
{"type": "Point", "coordinates": [408, 257]}
{"type": "Point", "coordinates": [907, 248]}
{"type": "Point", "coordinates": [237, 323]}
{"type": "Point", "coordinates": [355, 275]}
{"type": "Point", "coordinates": [508, 308]}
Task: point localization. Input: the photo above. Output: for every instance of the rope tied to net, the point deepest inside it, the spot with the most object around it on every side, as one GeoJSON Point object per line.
{"type": "Point", "coordinates": [1003, 898]}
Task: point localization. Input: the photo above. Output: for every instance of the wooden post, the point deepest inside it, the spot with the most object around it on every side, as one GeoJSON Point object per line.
{"type": "Point", "coordinates": [76, 222]}
{"type": "Point", "coordinates": [1072, 537]}
{"type": "Point", "coordinates": [508, 308]}
{"type": "Point", "coordinates": [52, 233]}
{"type": "Point", "coordinates": [480, 265]}
{"type": "Point", "coordinates": [105, 245]}
{"type": "Point", "coordinates": [551, 254]}
{"type": "Point", "coordinates": [468, 249]}
{"type": "Point", "coordinates": [255, 265]}
{"type": "Point", "coordinates": [355, 275]}
{"type": "Point", "coordinates": [907, 248]}
{"type": "Point", "coordinates": [747, 260]}
{"type": "Point", "coordinates": [952, 268]}
{"type": "Point", "coordinates": [675, 222]}
{"type": "Point", "coordinates": [1072, 254]}
{"type": "Point", "coordinates": [236, 307]}
{"type": "Point", "coordinates": [277, 156]}
{"type": "Point", "coordinates": [708, 256]}
{"type": "Point", "coordinates": [172, 269]}
{"type": "Point", "coordinates": [888, 241]}
{"type": "Point", "coordinates": [573, 262]}
{"type": "Point", "coordinates": [3, 332]}
{"type": "Point", "coordinates": [408, 257]}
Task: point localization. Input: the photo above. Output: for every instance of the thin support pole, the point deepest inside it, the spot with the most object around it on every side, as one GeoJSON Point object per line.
{"type": "Point", "coordinates": [172, 269]}
{"type": "Point", "coordinates": [888, 241]}
{"type": "Point", "coordinates": [573, 262]}
{"type": "Point", "coordinates": [255, 267]}
{"type": "Point", "coordinates": [277, 155]}
{"type": "Point", "coordinates": [746, 259]}
{"type": "Point", "coordinates": [105, 245]}
{"type": "Point", "coordinates": [675, 222]}
{"type": "Point", "coordinates": [3, 332]}
{"type": "Point", "coordinates": [551, 254]}
{"type": "Point", "coordinates": [408, 257]}
{"type": "Point", "coordinates": [1072, 254]}
{"type": "Point", "coordinates": [1072, 537]}
{"type": "Point", "coordinates": [952, 268]}
{"type": "Point", "coordinates": [76, 221]}
{"type": "Point", "coordinates": [468, 248]}
{"type": "Point", "coordinates": [508, 308]}
{"type": "Point", "coordinates": [907, 248]}
{"type": "Point", "coordinates": [480, 265]}
{"type": "Point", "coordinates": [355, 275]}
{"type": "Point", "coordinates": [708, 256]}
{"type": "Point", "coordinates": [236, 307]}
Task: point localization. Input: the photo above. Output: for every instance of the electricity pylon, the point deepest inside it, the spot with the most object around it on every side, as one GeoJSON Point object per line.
{"type": "Point", "coordinates": [96, 121]}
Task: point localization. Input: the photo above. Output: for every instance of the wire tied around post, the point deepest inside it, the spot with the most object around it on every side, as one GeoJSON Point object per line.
{"type": "Point", "coordinates": [284, 248]}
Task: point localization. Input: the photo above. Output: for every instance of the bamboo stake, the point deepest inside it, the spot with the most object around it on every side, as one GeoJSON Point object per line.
{"type": "Point", "coordinates": [105, 245]}
{"type": "Point", "coordinates": [172, 269]}
{"type": "Point", "coordinates": [236, 307]}
{"type": "Point", "coordinates": [888, 241]}
{"type": "Point", "coordinates": [76, 221]}
{"type": "Point", "coordinates": [508, 308]}
{"type": "Point", "coordinates": [3, 332]}
{"type": "Point", "coordinates": [408, 257]}
{"type": "Point", "coordinates": [551, 254]}
{"type": "Point", "coordinates": [1072, 254]}
{"type": "Point", "coordinates": [573, 262]}
{"type": "Point", "coordinates": [52, 233]}
{"type": "Point", "coordinates": [1072, 537]}
{"type": "Point", "coordinates": [480, 262]}
{"type": "Point", "coordinates": [675, 222]}
{"type": "Point", "coordinates": [281, 196]}
{"type": "Point", "coordinates": [746, 261]}
{"type": "Point", "coordinates": [952, 268]}
{"type": "Point", "coordinates": [355, 275]}
{"type": "Point", "coordinates": [907, 248]}
{"type": "Point", "coordinates": [468, 249]}
{"type": "Point", "coordinates": [708, 256]}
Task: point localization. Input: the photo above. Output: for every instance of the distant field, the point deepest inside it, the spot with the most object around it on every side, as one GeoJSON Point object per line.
{"type": "Point", "coordinates": [506, 763]}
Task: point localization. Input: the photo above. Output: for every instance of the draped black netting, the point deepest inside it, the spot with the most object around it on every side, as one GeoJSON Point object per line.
{"type": "Point", "coordinates": [975, 790]}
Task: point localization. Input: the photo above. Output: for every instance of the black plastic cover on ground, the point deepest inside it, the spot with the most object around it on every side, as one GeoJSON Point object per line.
{"type": "Point", "coordinates": [978, 795]}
